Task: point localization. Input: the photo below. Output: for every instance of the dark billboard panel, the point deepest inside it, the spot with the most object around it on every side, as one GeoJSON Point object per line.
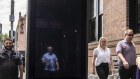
{"type": "Point", "coordinates": [62, 25]}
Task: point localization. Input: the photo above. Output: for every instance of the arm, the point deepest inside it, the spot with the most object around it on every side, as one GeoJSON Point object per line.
{"type": "Point", "coordinates": [125, 63]}
{"type": "Point", "coordinates": [111, 65]}
{"type": "Point", "coordinates": [21, 71]}
{"type": "Point", "coordinates": [93, 63]}
{"type": "Point", "coordinates": [57, 65]}
{"type": "Point", "coordinates": [119, 50]}
{"type": "Point", "coordinates": [43, 59]}
{"type": "Point", "coordinates": [121, 57]}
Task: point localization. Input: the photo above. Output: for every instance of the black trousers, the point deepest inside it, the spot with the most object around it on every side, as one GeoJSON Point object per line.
{"type": "Point", "coordinates": [127, 73]}
{"type": "Point", "coordinates": [50, 74]}
{"type": "Point", "coordinates": [102, 70]}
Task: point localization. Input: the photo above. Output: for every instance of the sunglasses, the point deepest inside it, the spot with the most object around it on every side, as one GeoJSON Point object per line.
{"type": "Point", "coordinates": [131, 35]}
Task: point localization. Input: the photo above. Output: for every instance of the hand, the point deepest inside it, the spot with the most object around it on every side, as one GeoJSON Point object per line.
{"type": "Point", "coordinates": [126, 65]}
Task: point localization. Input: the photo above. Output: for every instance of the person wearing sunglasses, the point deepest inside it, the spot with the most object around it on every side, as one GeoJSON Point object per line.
{"type": "Point", "coordinates": [127, 54]}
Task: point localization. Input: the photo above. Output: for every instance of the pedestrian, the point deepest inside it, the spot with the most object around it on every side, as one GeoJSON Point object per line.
{"type": "Point", "coordinates": [10, 61]}
{"type": "Point", "coordinates": [102, 59]}
{"type": "Point", "coordinates": [50, 61]}
{"type": "Point", "coordinates": [127, 54]}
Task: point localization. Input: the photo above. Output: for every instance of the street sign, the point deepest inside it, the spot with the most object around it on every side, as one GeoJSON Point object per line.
{"type": "Point", "coordinates": [12, 18]}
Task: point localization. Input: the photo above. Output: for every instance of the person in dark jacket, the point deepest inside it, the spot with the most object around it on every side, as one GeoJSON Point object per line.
{"type": "Point", "coordinates": [10, 61]}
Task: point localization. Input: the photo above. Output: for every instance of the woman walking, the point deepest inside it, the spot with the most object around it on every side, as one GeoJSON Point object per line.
{"type": "Point", "coordinates": [102, 60]}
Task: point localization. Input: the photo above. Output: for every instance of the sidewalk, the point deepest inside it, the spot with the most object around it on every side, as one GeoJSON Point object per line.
{"type": "Point", "coordinates": [114, 76]}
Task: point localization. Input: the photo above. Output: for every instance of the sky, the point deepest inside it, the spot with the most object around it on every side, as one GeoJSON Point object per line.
{"type": "Point", "coordinates": [5, 6]}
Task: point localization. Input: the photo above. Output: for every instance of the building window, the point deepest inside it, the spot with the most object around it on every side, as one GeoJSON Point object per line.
{"type": "Point", "coordinates": [138, 16]}
{"type": "Point", "coordinates": [95, 20]}
{"type": "Point", "coordinates": [100, 19]}
{"type": "Point", "coordinates": [92, 30]}
{"type": "Point", "coordinates": [134, 15]}
{"type": "Point", "coordinates": [100, 25]}
{"type": "Point", "coordinates": [94, 8]}
{"type": "Point", "coordinates": [100, 7]}
{"type": "Point", "coordinates": [22, 28]}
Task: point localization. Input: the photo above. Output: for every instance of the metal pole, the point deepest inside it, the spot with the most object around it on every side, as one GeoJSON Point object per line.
{"type": "Point", "coordinates": [12, 17]}
{"type": "Point", "coordinates": [97, 15]}
{"type": "Point", "coordinates": [1, 37]}
{"type": "Point", "coordinates": [11, 30]}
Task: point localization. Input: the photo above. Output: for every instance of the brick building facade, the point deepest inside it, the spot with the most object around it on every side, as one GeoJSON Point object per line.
{"type": "Point", "coordinates": [110, 18]}
{"type": "Point", "coordinates": [21, 34]}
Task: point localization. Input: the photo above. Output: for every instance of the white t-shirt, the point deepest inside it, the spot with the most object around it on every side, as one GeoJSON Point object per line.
{"type": "Point", "coordinates": [102, 56]}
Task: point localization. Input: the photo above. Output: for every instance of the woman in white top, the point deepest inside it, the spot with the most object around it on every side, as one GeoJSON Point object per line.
{"type": "Point", "coordinates": [102, 59]}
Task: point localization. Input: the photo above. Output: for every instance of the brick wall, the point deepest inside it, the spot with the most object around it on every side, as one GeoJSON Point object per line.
{"type": "Point", "coordinates": [114, 24]}
{"type": "Point", "coordinates": [90, 68]}
{"type": "Point", "coordinates": [21, 35]}
{"type": "Point", "coordinates": [114, 19]}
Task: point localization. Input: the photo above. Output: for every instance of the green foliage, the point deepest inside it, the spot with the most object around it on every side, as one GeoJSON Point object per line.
{"type": "Point", "coordinates": [3, 36]}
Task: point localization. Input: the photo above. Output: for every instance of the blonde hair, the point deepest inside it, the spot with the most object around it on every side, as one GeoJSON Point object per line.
{"type": "Point", "coordinates": [127, 31]}
{"type": "Point", "coordinates": [99, 44]}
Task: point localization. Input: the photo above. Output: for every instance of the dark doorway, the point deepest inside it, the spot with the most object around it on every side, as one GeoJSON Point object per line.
{"type": "Point", "coordinates": [61, 24]}
{"type": "Point", "coordinates": [133, 15]}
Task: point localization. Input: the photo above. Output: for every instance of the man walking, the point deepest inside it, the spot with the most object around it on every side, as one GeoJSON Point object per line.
{"type": "Point", "coordinates": [10, 61]}
{"type": "Point", "coordinates": [51, 63]}
{"type": "Point", "coordinates": [126, 52]}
